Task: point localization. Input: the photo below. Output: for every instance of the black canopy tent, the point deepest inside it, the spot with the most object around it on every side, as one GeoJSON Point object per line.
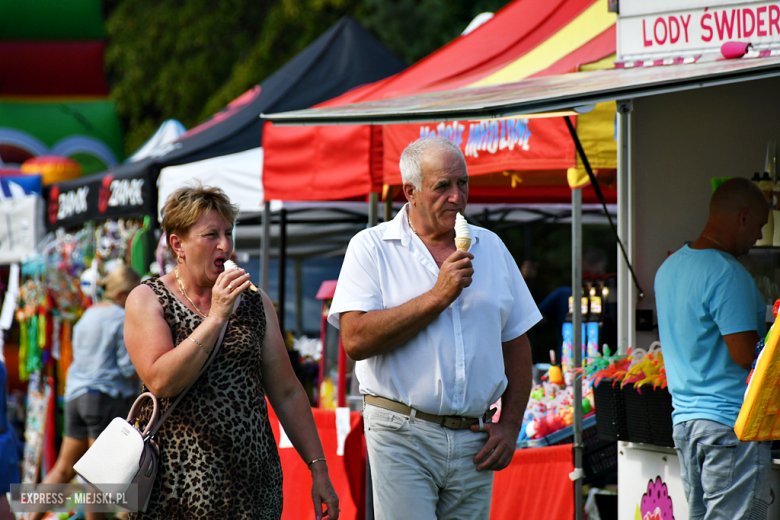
{"type": "Point", "coordinates": [123, 192]}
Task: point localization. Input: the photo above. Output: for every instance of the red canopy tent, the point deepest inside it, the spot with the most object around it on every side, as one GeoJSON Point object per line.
{"type": "Point", "coordinates": [517, 160]}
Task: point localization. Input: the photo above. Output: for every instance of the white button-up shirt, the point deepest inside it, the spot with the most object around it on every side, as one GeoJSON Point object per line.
{"type": "Point", "coordinates": [455, 365]}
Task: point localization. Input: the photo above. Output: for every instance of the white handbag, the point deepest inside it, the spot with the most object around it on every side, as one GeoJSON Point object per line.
{"type": "Point", "coordinates": [133, 454]}
{"type": "Point", "coordinates": [123, 455]}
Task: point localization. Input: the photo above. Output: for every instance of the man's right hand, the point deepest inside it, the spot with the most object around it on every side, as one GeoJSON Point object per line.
{"type": "Point", "coordinates": [454, 276]}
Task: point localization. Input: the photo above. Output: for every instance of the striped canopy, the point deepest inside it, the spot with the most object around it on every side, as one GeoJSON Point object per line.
{"type": "Point", "coordinates": [518, 159]}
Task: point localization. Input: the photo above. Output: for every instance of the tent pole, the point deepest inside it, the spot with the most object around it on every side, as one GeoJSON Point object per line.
{"type": "Point", "coordinates": [282, 266]}
{"type": "Point", "coordinates": [298, 296]}
{"type": "Point", "coordinates": [389, 204]}
{"type": "Point", "coordinates": [373, 208]}
{"type": "Point", "coordinates": [576, 321]}
{"type": "Point", "coordinates": [625, 301]}
{"type": "Point", "coordinates": [265, 247]}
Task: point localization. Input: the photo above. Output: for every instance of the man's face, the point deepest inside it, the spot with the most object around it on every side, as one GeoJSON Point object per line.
{"type": "Point", "coordinates": [753, 221]}
{"type": "Point", "coordinates": [445, 188]}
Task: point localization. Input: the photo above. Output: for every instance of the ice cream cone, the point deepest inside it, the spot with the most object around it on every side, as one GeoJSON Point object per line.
{"type": "Point", "coordinates": [463, 244]}
{"type": "Point", "coordinates": [462, 233]}
{"type": "Point", "coordinates": [230, 264]}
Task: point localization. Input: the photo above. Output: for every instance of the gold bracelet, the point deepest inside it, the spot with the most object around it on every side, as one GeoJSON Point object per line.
{"type": "Point", "coordinates": [316, 460]}
{"type": "Point", "coordinates": [198, 343]}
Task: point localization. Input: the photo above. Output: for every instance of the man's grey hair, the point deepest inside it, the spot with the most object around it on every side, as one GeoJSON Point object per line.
{"type": "Point", "coordinates": [411, 159]}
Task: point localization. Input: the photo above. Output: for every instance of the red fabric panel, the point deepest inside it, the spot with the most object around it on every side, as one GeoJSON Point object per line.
{"type": "Point", "coordinates": [316, 162]}
{"type": "Point", "coordinates": [550, 146]}
{"type": "Point", "coordinates": [297, 478]}
{"type": "Point", "coordinates": [535, 485]}
{"type": "Point", "coordinates": [377, 157]}
{"type": "Point", "coordinates": [355, 463]}
{"type": "Point", "coordinates": [52, 69]}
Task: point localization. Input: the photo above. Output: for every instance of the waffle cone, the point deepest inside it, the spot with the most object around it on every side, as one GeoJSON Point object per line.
{"type": "Point", "coordinates": [463, 244]}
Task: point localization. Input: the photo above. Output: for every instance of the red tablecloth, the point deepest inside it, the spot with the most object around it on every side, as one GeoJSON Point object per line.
{"type": "Point", "coordinates": [297, 479]}
{"type": "Point", "coordinates": [535, 485]}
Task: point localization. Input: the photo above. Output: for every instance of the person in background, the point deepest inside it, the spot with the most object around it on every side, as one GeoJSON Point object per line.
{"type": "Point", "coordinates": [439, 335]}
{"type": "Point", "coordinates": [555, 305]}
{"type": "Point", "coordinates": [710, 317]}
{"type": "Point", "coordinates": [9, 447]}
{"type": "Point", "coordinates": [101, 382]}
{"type": "Point", "coordinates": [218, 455]}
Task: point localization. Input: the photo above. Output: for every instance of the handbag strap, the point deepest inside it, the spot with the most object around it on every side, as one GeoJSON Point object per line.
{"type": "Point", "coordinates": [181, 395]}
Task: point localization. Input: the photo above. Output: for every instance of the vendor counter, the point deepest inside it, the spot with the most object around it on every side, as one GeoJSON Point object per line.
{"type": "Point", "coordinates": [654, 471]}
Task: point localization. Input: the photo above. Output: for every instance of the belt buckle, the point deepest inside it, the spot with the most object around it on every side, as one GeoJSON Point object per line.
{"type": "Point", "coordinates": [454, 422]}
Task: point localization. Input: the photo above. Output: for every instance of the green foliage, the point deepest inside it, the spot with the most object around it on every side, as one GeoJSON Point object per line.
{"type": "Point", "coordinates": [186, 59]}
{"type": "Point", "coordinates": [290, 26]}
{"type": "Point", "coordinates": [167, 57]}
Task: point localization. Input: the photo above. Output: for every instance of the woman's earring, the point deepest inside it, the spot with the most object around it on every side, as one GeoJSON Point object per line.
{"type": "Point", "coordinates": [180, 259]}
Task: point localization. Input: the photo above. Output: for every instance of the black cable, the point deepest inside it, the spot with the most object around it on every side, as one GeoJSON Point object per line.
{"type": "Point", "coordinates": [600, 196]}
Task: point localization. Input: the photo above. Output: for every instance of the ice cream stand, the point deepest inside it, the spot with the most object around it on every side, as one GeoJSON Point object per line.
{"type": "Point", "coordinates": [688, 110]}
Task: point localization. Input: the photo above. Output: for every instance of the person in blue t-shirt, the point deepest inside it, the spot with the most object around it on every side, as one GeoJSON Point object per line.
{"type": "Point", "coordinates": [710, 317]}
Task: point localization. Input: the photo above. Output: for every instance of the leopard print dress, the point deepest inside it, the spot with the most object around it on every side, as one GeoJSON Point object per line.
{"type": "Point", "coordinates": [218, 456]}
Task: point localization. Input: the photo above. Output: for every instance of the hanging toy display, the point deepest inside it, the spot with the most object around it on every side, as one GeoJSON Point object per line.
{"type": "Point", "coordinates": [63, 280]}
{"type": "Point", "coordinates": [164, 261]}
{"type": "Point", "coordinates": [550, 406]}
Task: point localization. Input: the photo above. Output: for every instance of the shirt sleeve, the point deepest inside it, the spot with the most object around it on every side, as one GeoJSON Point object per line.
{"type": "Point", "coordinates": [123, 362]}
{"type": "Point", "coordinates": [358, 288]}
{"type": "Point", "coordinates": [524, 313]}
{"type": "Point", "coordinates": [733, 302]}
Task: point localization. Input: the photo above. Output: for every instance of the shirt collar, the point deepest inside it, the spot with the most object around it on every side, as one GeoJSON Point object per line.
{"type": "Point", "coordinates": [399, 229]}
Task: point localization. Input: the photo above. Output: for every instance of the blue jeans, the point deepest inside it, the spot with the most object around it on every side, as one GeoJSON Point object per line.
{"type": "Point", "coordinates": [723, 477]}
{"type": "Point", "coordinates": [422, 471]}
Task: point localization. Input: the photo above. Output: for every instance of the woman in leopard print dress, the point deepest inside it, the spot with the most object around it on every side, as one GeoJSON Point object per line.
{"type": "Point", "coordinates": [218, 456]}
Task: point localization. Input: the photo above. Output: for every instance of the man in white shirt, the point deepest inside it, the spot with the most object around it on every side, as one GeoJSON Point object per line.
{"type": "Point", "coordinates": [438, 335]}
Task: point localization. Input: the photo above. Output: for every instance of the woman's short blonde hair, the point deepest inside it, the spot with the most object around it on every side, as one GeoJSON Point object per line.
{"type": "Point", "coordinates": [184, 207]}
{"type": "Point", "coordinates": [123, 279]}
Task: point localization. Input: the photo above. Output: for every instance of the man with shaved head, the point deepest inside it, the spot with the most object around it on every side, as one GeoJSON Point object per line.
{"type": "Point", "coordinates": [710, 317]}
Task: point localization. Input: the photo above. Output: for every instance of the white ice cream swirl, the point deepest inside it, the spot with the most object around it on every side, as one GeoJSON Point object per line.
{"type": "Point", "coordinates": [461, 227]}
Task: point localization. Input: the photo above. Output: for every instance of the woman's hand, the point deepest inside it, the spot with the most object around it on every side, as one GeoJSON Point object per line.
{"type": "Point", "coordinates": [225, 291]}
{"type": "Point", "coordinates": [322, 492]}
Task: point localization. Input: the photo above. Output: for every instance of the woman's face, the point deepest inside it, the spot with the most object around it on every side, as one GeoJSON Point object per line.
{"type": "Point", "coordinates": [206, 247]}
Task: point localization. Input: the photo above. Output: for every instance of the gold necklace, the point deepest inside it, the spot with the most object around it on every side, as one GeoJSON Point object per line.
{"type": "Point", "coordinates": [726, 249]}
{"type": "Point", "coordinates": [409, 220]}
{"type": "Point", "coordinates": [184, 293]}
